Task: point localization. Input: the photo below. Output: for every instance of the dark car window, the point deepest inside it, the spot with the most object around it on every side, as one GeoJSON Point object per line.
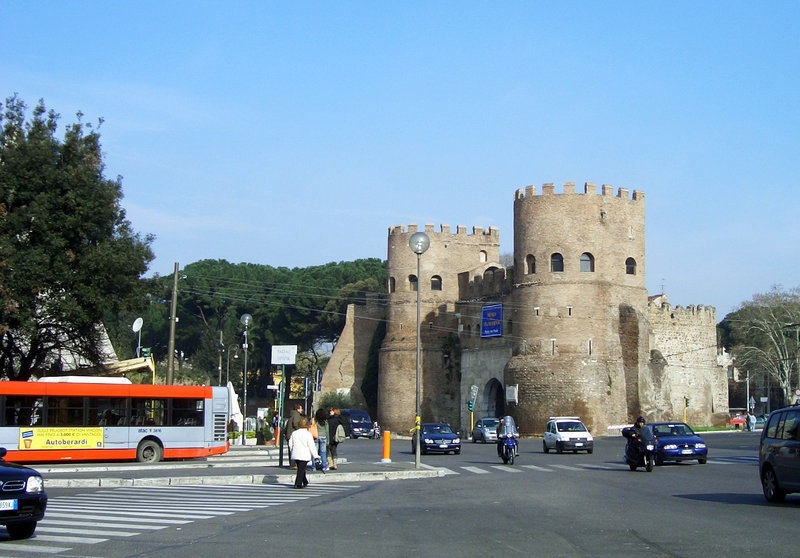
{"type": "Point", "coordinates": [772, 426]}
{"type": "Point", "coordinates": [790, 426]}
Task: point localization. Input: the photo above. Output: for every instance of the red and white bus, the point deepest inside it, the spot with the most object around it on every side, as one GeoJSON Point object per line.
{"type": "Point", "coordinates": [101, 419]}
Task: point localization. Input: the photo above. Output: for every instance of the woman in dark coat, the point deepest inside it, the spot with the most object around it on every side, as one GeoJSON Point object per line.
{"type": "Point", "coordinates": [334, 421]}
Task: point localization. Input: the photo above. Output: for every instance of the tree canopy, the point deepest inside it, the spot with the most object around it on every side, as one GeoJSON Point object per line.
{"type": "Point", "coordinates": [68, 255]}
{"type": "Point", "coordinates": [763, 335]}
{"type": "Point", "coordinates": [301, 306]}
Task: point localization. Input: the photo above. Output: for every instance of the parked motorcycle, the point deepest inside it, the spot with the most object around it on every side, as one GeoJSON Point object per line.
{"type": "Point", "coordinates": [509, 449]}
{"type": "Point", "coordinates": [640, 451]}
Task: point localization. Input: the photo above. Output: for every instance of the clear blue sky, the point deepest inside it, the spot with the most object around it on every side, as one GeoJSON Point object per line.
{"type": "Point", "coordinates": [295, 134]}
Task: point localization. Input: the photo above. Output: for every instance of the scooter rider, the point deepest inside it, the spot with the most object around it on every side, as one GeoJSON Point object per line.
{"type": "Point", "coordinates": [634, 434]}
{"type": "Point", "coordinates": [505, 426]}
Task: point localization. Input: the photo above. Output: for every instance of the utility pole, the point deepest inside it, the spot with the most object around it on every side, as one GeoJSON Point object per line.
{"type": "Point", "coordinates": [221, 348]}
{"type": "Point", "coordinates": [172, 311]}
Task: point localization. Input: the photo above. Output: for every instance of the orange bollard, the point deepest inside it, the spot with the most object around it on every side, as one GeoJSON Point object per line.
{"type": "Point", "coordinates": [387, 447]}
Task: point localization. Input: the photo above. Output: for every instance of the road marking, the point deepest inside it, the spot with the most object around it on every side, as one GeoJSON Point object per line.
{"type": "Point", "coordinates": [505, 469]}
{"type": "Point", "coordinates": [476, 470]}
{"type": "Point", "coordinates": [537, 468]}
{"type": "Point", "coordinates": [566, 467]}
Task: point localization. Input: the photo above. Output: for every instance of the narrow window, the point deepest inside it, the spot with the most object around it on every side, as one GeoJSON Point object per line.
{"type": "Point", "coordinates": [484, 257]}
{"type": "Point", "coordinates": [553, 346]}
{"type": "Point", "coordinates": [589, 346]}
{"type": "Point", "coordinates": [412, 282]}
{"type": "Point", "coordinates": [436, 283]}
{"type": "Point", "coordinates": [630, 266]}
{"type": "Point", "coordinates": [530, 264]}
{"type": "Point", "coordinates": [556, 262]}
{"type": "Point", "coordinates": [569, 310]}
{"type": "Point", "coordinates": [587, 262]}
{"type": "Point", "coordinates": [536, 311]}
{"type": "Point", "coordinates": [391, 284]}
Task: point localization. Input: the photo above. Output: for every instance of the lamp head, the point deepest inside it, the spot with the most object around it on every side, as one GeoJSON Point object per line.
{"type": "Point", "coordinates": [419, 242]}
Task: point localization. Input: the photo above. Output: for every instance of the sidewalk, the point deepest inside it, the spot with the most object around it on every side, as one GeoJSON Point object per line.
{"type": "Point", "coordinates": [241, 465]}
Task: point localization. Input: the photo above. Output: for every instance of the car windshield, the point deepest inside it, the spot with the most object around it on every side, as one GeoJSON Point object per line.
{"type": "Point", "coordinates": [436, 429]}
{"type": "Point", "coordinates": [571, 426]}
{"type": "Point", "coordinates": [490, 423]}
{"type": "Point", "coordinates": [665, 430]}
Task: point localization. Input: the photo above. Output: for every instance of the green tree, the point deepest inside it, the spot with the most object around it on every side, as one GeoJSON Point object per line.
{"type": "Point", "coordinates": [762, 335]}
{"type": "Point", "coordinates": [68, 255]}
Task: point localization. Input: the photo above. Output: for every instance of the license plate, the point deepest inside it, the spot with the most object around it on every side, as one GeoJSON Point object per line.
{"type": "Point", "coordinates": [578, 444]}
{"type": "Point", "coordinates": [8, 504]}
{"type": "Point", "coordinates": [686, 452]}
{"type": "Point", "coordinates": [442, 445]}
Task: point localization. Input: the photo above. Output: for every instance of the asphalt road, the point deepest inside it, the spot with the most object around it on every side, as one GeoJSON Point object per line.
{"type": "Point", "coordinates": [545, 505]}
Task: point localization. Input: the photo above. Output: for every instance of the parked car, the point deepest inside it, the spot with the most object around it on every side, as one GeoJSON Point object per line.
{"type": "Point", "coordinates": [361, 425]}
{"type": "Point", "coordinates": [567, 434]}
{"type": "Point", "coordinates": [22, 498]}
{"type": "Point", "coordinates": [678, 442]}
{"type": "Point", "coordinates": [779, 454]}
{"type": "Point", "coordinates": [437, 437]}
{"type": "Point", "coordinates": [485, 430]}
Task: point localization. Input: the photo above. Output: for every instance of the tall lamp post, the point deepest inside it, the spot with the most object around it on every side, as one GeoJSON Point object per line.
{"type": "Point", "coordinates": [228, 370]}
{"type": "Point", "coordinates": [419, 242]}
{"type": "Point", "coordinates": [246, 319]}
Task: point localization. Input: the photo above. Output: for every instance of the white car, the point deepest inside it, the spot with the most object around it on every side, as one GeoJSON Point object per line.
{"type": "Point", "coordinates": [567, 434]}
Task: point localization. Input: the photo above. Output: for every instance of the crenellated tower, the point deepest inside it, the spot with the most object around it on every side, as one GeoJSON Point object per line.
{"type": "Point", "coordinates": [450, 253]}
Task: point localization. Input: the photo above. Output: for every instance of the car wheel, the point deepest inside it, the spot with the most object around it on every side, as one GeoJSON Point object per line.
{"type": "Point", "coordinates": [457, 452]}
{"type": "Point", "coordinates": [769, 483]}
{"type": "Point", "coordinates": [559, 447]}
{"type": "Point", "coordinates": [702, 461]}
{"type": "Point", "coordinates": [659, 460]}
{"type": "Point", "coordinates": [590, 451]}
{"type": "Point", "coordinates": [544, 447]}
{"type": "Point", "coordinates": [21, 530]}
{"type": "Point", "coordinates": [149, 451]}
{"type": "Point", "coordinates": [474, 439]}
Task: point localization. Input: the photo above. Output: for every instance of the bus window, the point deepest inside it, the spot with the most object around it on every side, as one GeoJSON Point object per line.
{"type": "Point", "coordinates": [187, 412]}
{"type": "Point", "coordinates": [108, 411]}
{"type": "Point", "coordinates": [65, 411]}
{"type": "Point", "coordinates": [22, 411]}
{"type": "Point", "coordinates": [148, 412]}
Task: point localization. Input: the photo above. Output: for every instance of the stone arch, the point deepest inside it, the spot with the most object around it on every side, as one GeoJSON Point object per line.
{"type": "Point", "coordinates": [492, 399]}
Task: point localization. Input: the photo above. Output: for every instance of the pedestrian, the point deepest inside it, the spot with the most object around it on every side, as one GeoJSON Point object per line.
{"type": "Point", "coordinates": [334, 421]}
{"type": "Point", "coordinates": [302, 450]}
{"type": "Point", "coordinates": [293, 424]}
{"type": "Point", "coordinates": [751, 422]}
{"type": "Point", "coordinates": [321, 419]}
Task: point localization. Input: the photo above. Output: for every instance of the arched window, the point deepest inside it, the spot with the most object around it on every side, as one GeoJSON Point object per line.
{"type": "Point", "coordinates": [630, 266]}
{"type": "Point", "coordinates": [391, 284]}
{"type": "Point", "coordinates": [436, 283]}
{"type": "Point", "coordinates": [412, 282]}
{"type": "Point", "coordinates": [587, 262]}
{"type": "Point", "coordinates": [556, 262]}
{"type": "Point", "coordinates": [530, 264]}
{"type": "Point", "coordinates": [484, 257]}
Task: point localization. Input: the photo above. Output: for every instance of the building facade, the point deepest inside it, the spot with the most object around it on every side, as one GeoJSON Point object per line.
{"type": "Point", "coordinates": [568, 329]}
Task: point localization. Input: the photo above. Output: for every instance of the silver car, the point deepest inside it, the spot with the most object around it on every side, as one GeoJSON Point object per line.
{"type": "Point", "coordinates": [485, 430]}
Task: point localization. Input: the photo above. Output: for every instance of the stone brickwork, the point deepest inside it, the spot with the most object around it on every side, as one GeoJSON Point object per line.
{"type": "Point", "coordinates": [579, 335]}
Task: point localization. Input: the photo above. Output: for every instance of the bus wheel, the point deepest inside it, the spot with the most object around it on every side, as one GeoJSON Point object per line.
{"type": "Point", "coordinates": [149, 451]}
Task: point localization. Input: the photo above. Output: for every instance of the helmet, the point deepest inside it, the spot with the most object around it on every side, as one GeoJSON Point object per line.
{"type": "Point", "coordinates": [640, 419]}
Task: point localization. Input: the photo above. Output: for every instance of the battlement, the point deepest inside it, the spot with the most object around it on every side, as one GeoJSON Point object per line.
{"type": "Point", "coordinates": [492, 232]}
{"type": "Point", "coordinates": [659, 307]}
{"type": "Point", "coordinates": [548, 189]}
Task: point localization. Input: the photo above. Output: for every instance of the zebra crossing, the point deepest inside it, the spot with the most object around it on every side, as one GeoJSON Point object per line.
{"type": "Point", "coordinates": [100, 516]}
{"type": "Point", "coordinates": [519, 467]}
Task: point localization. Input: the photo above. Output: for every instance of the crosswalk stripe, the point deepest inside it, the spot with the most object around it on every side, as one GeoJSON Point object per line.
{"type": "Point", "coordinates": [67, 539]}
{"type": "Point", "coordinates": [71, 514]}
{"type": "Point", "coordinates": [537, 468]}
{"type": "Point", "coordinates": [476, 470]}
{"type": "Point", "coordinates": [35, 548]}
{"type": "Point", "coordinates": [505, 469]}
{"type": "Point", "coordinates": [566, 467]}
{"type": "Point", "coordinates": [44, 528]}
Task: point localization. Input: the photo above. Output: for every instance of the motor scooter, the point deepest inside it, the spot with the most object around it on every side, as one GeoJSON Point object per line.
{"type": "Point", "coordinates": [640, 451]}
{"type": "Point", "coordinates": [508, 449]}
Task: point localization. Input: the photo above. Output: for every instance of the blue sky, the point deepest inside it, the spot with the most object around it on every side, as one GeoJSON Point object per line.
{"type": "Point", "coordinates": [295, 134]}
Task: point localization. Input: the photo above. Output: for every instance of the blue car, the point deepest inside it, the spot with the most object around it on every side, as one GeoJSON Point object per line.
{"type": "Point", "coordinates": [678, 442]}
{"type": "Point", "coordinates": [437, 437]}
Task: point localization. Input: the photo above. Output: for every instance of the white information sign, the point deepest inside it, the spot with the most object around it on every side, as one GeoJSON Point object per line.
{"type": "Point", "coordinates": [284, 354]}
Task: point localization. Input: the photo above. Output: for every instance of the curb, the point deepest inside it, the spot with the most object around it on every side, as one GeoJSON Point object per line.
{"type": "Point", "coordinates": [288, 479]}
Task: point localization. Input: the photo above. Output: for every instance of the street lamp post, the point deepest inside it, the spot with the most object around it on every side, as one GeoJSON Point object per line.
{"type": "Point", "coordinates": [419, 242]}
{"type": "Point", "coordinates": [228, 371]}
{"type": "Point", "coordinates": [246, 319]}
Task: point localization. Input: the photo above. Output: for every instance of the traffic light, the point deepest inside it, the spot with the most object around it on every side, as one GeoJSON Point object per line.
{"type": "Point", "coordinates": [146, 352]}
{"type": "Point", "coordinates": [470, 404]}
{"type": "Point", "coordinates": [686, 401]}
